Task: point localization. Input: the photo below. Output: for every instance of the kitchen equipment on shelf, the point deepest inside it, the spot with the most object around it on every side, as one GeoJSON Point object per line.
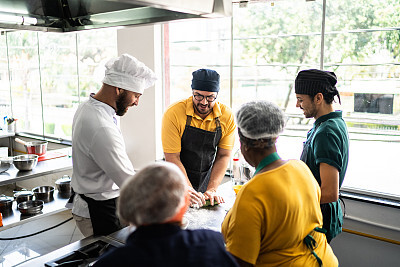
{"type": "Point", "coordinates": [5, 163]}
{"type": "Point", "coordinates": [22, 196]}
{"type": "Point", "coordinates": [63, 185]}
{"type": "Point", "coordinates": [25, 162]}
{"type": "Point", "coordinates": [34, 147]}
{"type": "Point", "coordinates": [6, 203]}
{"type": "Point", "coordinates": [44, 193]}
{"type": "Point", "coordinates": [30, 207]}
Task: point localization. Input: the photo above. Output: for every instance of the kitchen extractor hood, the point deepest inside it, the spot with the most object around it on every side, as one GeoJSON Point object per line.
{"type": "Point", "coordinates": [75, 15]}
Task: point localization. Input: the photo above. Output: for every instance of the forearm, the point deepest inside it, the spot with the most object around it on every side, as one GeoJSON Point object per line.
{"type": "Point", "coordinates": [327, 196]}
{"type": "Point", "coordinates": [329, 183]}
{"type": "Point", "coordinates": [175, 158]}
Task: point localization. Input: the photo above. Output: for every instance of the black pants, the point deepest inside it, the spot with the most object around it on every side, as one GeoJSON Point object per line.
{"type": "Point", "coordinates": [103, 215]}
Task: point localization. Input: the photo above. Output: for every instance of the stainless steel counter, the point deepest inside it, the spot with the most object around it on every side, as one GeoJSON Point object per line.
{"type": "Point", "coordinates": [45, 167]}
{"type": "Point", "coordinates": [50, 166]}
{"type": "Point", "coordinates": [203, 218]}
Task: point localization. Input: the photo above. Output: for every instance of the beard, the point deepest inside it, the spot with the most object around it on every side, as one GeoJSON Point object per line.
{"type": "Point", "coordinates": [122, 104]}
{"type": "Point", "coordinates": [311, 112]}
{"type": "Point", "coordinates": [201, 109]}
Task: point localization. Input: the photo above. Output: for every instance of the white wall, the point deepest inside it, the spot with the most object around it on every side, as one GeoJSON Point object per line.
{"type": "Point", "coordinates": [141, 126]}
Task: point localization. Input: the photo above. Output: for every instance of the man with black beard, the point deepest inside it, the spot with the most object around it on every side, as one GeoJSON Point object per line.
{"type": "Point", "coordinates": [198, 136]}
{"type": "Point", "coordinates": [100, 161]}
{"type": "Point", "coordinates": [326, 150]}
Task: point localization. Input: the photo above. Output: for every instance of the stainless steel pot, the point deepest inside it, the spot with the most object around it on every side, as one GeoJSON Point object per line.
{"type": "Point", "coordinates": [6, 204]}
{"type": "Point", "coordinates": [22, 196]}
{"type": "Point", "coordinates": [44, 193]}
{"type": "Point", "coordinates": [35, 147]}
{"type": "Point", "coordinates": [64, 185]}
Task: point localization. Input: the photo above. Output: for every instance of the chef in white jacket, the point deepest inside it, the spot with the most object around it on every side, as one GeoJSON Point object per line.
{"type": "Point", "coordinates": [100, 162]}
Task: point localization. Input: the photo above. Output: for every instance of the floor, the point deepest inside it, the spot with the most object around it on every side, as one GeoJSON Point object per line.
{"type": "Point", "coordinates": [14, 252]}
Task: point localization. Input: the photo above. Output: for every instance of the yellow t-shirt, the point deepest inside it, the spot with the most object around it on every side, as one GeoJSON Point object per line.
{"type": "Point", "coordinates": [174, 121]}
{"type": "Point", "coordinates": [272, 215]}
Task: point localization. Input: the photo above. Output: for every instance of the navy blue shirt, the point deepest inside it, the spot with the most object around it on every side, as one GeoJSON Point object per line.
{"type": "Point", "coordinates": [169, 245]}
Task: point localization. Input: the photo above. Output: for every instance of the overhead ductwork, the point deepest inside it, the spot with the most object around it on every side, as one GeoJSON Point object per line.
{"type": "Point", "coordinates": [76, 15]}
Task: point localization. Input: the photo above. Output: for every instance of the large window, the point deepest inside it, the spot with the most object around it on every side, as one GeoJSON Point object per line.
{"type": "Point", "coordinates": [49, 74]}
{"type": "Point", "coordinates": [270, 43]}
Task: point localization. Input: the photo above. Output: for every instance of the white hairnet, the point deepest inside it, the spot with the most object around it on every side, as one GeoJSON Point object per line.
{"type": "Point", "coordinates": [153, 195]}
{"type": "Point", "coordinates": [126, 72]}
{"type": "Point", "coordinates": [260, 120]}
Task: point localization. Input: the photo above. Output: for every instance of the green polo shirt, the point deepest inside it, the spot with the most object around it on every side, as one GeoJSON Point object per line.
{"type": "Point", "coordinates": [328, 142]}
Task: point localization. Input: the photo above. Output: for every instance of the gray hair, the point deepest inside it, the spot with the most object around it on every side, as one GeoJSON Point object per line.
{"type": "Point", "coordinates": [152, 195]}
{"type": "Point", "coordinates": [260, 120]}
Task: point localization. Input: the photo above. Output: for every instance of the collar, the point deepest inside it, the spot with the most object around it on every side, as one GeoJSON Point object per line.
{"type": "Point", "coordinates": [110, 110]}
{"type": "Point", "coordinates": [331, 115]}
{"type": "Point", "coordinates": [216, 111]}
{"type": "Point", "coordinates": [145, 232]}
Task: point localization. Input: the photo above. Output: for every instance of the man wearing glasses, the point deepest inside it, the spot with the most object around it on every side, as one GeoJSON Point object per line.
{"type": "Point", "coordinates": [198, 136]}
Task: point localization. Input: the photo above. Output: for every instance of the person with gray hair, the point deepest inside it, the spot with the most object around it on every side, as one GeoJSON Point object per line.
{"type": "Point", "coordinates": [154, 201]}
{"type": "Point", "coordinates": [276, 219]}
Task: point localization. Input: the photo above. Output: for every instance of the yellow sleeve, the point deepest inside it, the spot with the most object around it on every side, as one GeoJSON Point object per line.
{"type": "Point", "coordinates": [242, 227]}
{"type": "Point", "coordinates": [228, 136]}
{"type": "Point", "coordinates": [171, 132]}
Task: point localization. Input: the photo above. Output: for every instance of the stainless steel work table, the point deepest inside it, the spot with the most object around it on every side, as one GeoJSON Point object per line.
{"type": "Point", "coordinates": [46, 167]}
{"type": "Point", "coordinates": [203, 218]}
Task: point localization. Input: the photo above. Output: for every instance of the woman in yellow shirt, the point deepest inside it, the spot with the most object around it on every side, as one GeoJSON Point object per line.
{"type": "Point", "coordinates": [276, 219]}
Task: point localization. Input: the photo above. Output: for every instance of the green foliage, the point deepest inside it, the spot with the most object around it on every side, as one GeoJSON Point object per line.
{"type": "Point", "coordinates": [289, 31]}
{"type": "Point", "coordinates": [49, 127]}
{"type": "Point", "coordinates": [67, 129]}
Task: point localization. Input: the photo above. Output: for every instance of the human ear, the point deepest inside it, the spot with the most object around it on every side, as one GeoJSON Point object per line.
{"type": "Point", "coordinates": [318, 98]}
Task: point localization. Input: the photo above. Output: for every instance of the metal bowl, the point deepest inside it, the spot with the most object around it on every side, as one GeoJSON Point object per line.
{"type": "Point", "coordinates": [25, 162]}
{"type": "Point", "coordinates": [5, 163]}
{"type": "Point", "coordinates": [30, 207]}
{"type": "Point", "coordinates": [44, 193]}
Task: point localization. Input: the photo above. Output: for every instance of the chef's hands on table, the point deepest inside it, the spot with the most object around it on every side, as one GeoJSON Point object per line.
{"type": "Point", "coordinates": [198, 199]}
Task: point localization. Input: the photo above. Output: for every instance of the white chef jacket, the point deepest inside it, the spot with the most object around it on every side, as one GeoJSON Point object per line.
{"type": "Point", "coordinates": [99, 159]}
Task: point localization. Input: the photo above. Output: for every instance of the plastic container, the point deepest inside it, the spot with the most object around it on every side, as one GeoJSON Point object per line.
{"type": "Point", "coordinates": [236, 175]}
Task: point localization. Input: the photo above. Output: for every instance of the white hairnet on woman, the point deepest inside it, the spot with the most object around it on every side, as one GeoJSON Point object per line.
{"type": "Point", "coordinates": [155, 200]}
{"type": "Point", "coordinates": [154, 195]}
{"type": "Point", "coordinates": [260, 120]}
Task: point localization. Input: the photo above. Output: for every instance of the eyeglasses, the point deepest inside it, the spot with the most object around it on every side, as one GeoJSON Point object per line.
{"type": "Point", "coordinates": [209, 98]}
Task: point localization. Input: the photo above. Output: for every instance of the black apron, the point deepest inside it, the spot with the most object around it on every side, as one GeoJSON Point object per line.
{"type": "Point", "coordinates": [198, 150]}
{"type": "Point", "coordinates": [332, 214]}
{"type": "Point", "coordinates": [103, 215]}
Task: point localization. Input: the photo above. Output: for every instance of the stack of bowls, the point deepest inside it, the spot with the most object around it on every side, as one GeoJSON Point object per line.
{"type": "Point", "coordinates": [31, 207]}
